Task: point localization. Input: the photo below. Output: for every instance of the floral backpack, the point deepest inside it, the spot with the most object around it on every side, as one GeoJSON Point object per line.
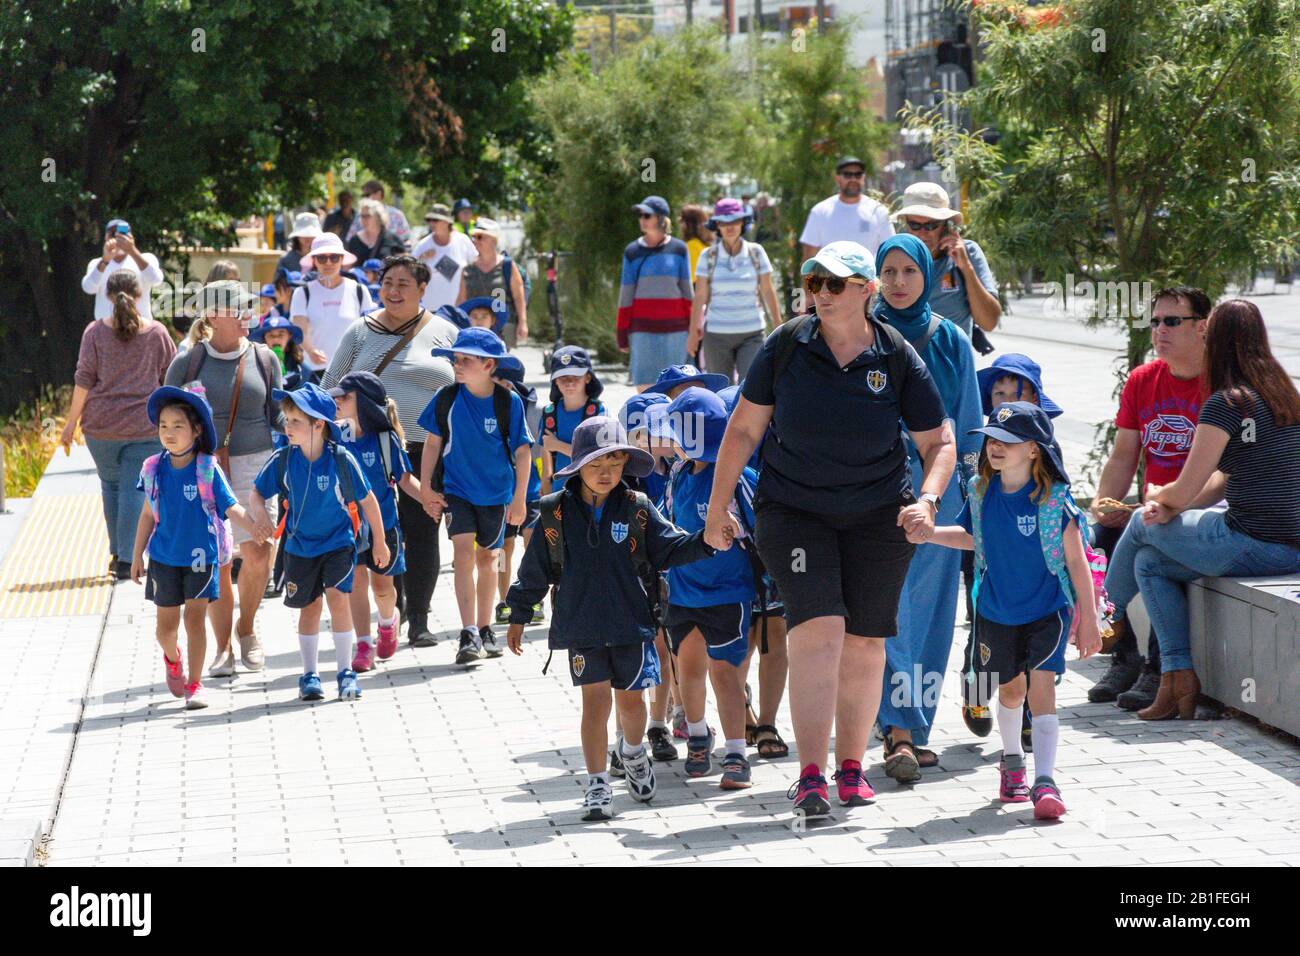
{"type": "Point", "coordinates": [205, 466]}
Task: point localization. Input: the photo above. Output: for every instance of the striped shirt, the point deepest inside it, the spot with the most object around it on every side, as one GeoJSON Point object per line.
{"type": "Point", "coordinates": [655, 289]}
{"type": "Point", "coordinates": [733, 287]}
{"type": "Point", "coordinates": [1262, 462]}
{"type": "Point", "coordinates": [411, 377]}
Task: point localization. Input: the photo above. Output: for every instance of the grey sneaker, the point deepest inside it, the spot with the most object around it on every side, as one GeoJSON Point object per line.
{"type": "Point", "coordinates": [598, 804]}
{"type": "Point", "coordinates": [640, 776]}
{"type": "Point", "coordinates": [1119, 677]}
{"type": "Point", "coordinates": [488, 639]}
{"type": "Point", "coordinates": [699, 755]}
{"type": "Point", "coordinates": [223, 665]}
{"type": "Point", "coordinates": [251, 653]}
{"type": "Point", "coordinates": [1140, 695]}
{"type": "Point", "coordinates": [469, 651]}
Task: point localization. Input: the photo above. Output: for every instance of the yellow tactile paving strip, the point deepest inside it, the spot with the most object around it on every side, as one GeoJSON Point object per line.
{"type": "Point", "coordinates": [58, 565]}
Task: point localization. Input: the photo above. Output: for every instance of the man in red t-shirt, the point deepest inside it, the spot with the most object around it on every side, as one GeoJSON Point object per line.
{"type": "Point", "coordinates": [1157, 417]}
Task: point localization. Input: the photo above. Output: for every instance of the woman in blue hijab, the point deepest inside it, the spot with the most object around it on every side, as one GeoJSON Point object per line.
{"type": "Point", "coordinates": [916, 659]}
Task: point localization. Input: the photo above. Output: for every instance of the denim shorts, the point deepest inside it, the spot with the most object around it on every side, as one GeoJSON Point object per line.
{"type": "Point", "coordinates": [652, 352]}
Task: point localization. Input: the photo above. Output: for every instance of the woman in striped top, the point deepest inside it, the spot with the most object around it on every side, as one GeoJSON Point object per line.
{"type": "Point", "coordinates": [411, 376]}
{"type": "Point", "coordinates": [654, 298]}
{"type": "Point", "coordinates": [1246, 449]}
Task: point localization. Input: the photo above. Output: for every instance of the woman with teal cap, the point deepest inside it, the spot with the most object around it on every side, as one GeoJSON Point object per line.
{"type": "Point", "coordinates": [915, 660]}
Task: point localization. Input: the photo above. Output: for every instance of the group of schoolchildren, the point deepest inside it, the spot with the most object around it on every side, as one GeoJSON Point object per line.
{"type": "Point", "coordinates": [638, 598]}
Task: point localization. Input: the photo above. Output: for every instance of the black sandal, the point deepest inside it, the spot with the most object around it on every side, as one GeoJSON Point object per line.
{"type": "Point", "coordinates": [769, 743]}
{"type": "Point", "coordinates": [901, 764]}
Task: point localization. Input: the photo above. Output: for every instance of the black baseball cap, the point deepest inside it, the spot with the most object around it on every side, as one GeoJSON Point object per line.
{"type": "Point", "coordinates": [1018, 422]}
{"type": "Point", "coordinates": [850, 161]}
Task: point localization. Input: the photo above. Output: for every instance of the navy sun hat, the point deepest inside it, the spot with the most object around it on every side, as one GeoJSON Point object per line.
{"type": "Point", "coordinates": [653, 205]}
{"type": "Point", "coordinates": [1020, 366]}
{"type": "Point", "coordinates": [274, 320]}
{"type": "Point", "coordinates": [196, 398]}
{"type": "Point", "coordinates": [646, 410]}
{"type": "Point", "coordinates": [515, 378]}
{"type": "Point", "coordinates": [481, 342]}
{"type": "Point", "coordinates": [314, 402]}
{"type": "Point", "coordinates": [573, 360]}
{"type": "Point", "coordinates": [372, 400]}
{"type": "Point", "coordinates": [454, 314]}
{"type": "Point", "coordinates": [675, 375]}
{"type": "Point", "coordinates": [461, 204]}
{"type": "Point", "coordinates": [697, 419]}
{"type": "Point", "coordinates": [500, 311]}
{"type": "Point", "coordinates": [1018, 422]}
{"type": "Point", "coordinates": [601, 435]}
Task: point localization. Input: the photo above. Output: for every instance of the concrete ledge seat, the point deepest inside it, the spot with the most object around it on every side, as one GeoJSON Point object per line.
{"type": "Point", "coordinates": [1246, 645]}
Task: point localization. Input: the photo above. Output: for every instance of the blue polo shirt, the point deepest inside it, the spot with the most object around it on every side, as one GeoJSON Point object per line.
{"type": "Point", "coordinates": [565, 422]}
{"type": "Point", "coordinates": [727, 577]}
{"type": "Point", "coordinates": [183, 528]}
{"type": "Point", "coordinates": [318, 521]}
{"type": "Point", "coordinates": [835, 445]}
{"type": "Point", "coordinates": [1017, 588]}
{"type": "Point", "coordinates": [475, 466]}
{"type": "Point", "coordinates": [367, 451]}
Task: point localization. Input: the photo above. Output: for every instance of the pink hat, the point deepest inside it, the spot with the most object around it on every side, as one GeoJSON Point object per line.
{"type": "Point", "coordinates": [328, 243]}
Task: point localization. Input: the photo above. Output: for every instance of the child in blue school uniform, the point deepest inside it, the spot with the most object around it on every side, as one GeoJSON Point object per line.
{"type": "Point", "coordinates": [183, 528]}
{"type": "Point", "coordinates": [323, 488]}
{"type": "Point", "coordinates": [1031, 576]}
{"type": "Point", "coordinates": [514, 378]}
{"type": "Point", "coordinates": [372, 433]}
{"type": "Point", "coordinates": [575, 397]}
{"type": "Point", "coordinates": [475, 465]}
{"type": "Point", "coordinates": [709, 603]}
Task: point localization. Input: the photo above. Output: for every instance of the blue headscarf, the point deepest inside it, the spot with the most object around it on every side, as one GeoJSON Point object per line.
{"type": "Point", "coordinates": [915, 319]}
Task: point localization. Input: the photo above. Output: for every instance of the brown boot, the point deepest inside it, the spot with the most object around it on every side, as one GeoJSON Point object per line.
{"type": "Point", "coordinates": [1187, 687]}
{"type": "Point", "coordinates": [1163, 707]}
{"type": "Point", "coordinates": [1119, 629]}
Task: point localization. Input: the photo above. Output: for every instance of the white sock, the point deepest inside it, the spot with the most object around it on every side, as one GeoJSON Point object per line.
{"type": "Point", "coordinates": [697, 728]}
{"type": "Point", "coordinates": [1046, 732]}
{"type": "Point", "coordinates": [661, 724]}
{"type": "Point", "coordinates": [343, 641]}
{"type": "Point", "coordinates": [629, 750]}
{"type": "Point", "coordinates": [1009, 719]}
{"type": "Point", "coordinates": [602, 777]}
{"type": "Point", "coordinates": [391, 621]}
{"type": "Point", "coordinates": [736, 747]}
{"type": "Point", "coordinates": [679, 711]}
{"type": "Point", "coordinates": [309, 647]}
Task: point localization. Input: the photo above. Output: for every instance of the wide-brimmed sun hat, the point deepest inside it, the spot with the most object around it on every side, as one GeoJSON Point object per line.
{"type": "Point", "coordinates": [327, 243]}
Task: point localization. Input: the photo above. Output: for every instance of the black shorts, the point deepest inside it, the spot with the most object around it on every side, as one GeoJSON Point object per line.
{"type": "Point", "coordinates": [849, 566]}
{"type": "Point", "coordinates": [305, 579]}
{"type": "Point", "coordinates": [725, 628]}
{"type": "Point", "coordinates": [624, 666]}
{"type": "Point", "coordinates": [1002, 652]}
{"type": "Point", "coordinates": [396, 554]}
{"type": "Point", "coordinates": [530, 519]}
{"type": "Point", "coordinates": [486, 522]}
{"type": "Point", "coordinates": [170, 586]}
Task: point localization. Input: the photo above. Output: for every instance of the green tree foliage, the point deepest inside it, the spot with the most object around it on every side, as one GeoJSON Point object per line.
{"type": "Point", "coordinates": [182, 116]}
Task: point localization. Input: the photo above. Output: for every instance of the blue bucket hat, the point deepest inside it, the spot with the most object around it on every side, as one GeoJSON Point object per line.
{"type": "Point", "coordinates": [843, 259]}
{"type": "Point", "coordinates": [1018, 422]}
{"type": "Point", "coordinates": [453, 314]}
{"type": "Point", "coordinates": [1022, 367]}
{"type": "Point", "coordinates": [314, 402]}
{"type": "Point", "coordinates": [268, 291]}
{"type": "Point", "coordinates": [373, 265]}
{"type": "Point", "coordinates": [372, 400]}
{"type": "Point", "coordinates": [515, 376]}
{"type": "Point", "coordinates": [274, 320]}
{"type": "Point", "coordinates": [653, 205]}
{"type": "Point", "coordinates": [731, 396]}
{"type": "Point", "coordinates": [291, 276]}
{"type": "Point", "coordinates": [573, 360]}
{"type": "Point", "coordinates": [481, 342]}
{"type": "Point", "coordinates": [461, 204]}
{"type": "Point", "coordinates": [697, 420]}
{"type": "Point", "coordinates": [602, 435]}
{"type": "Point", "coordinates": [675, 375]}
{"type": "Point", "coordinates": [500, 311]}
{"type": "Point", "coordinates": [646, 410]}
{"type": "Point", "coordinates": [196, 398]}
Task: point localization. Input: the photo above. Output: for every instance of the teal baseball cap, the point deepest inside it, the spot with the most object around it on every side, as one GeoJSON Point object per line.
{"type": "Point", "coordinates": [843, 259]}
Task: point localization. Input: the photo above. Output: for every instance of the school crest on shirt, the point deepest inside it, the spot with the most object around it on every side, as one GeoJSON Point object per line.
{"type": "Point", "coordinates": [191, 492]}
{"type": "Point", "coordinates": [1027, 524]}
{"type": "Point", "coordinates": [369, 458]}
{"type": "Point", "coordinates": [490, 424]}
{"type": "Point", "coordinates": [702, 509]}
{"type": "Point", "coordinates": [323, 482]}
{"type": "Point", "coordinates": [579, 665]}
{"type": "Point", "coordinates": [618, 531]}
{"type": "Point", "coordinates": [876, 381]}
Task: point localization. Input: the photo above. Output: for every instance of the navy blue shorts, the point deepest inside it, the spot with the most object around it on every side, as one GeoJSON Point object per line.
{"type": "Point", "coordinates": [306, 579]}
{"type": "Point", "coordinates": [725, 628]}
{"type": "Point", "coordinates": [530, 519]}
{"type": "Point", "coordinates": [624, 666]}
{"type": "Point", "coordinates": [486, 522]}
{"type": "Point", "coordinates": [170, 586]}
{"type": "Point", "coordinates": [396, 554]}
{"type": "Point", "coordinates": [1005, 651]}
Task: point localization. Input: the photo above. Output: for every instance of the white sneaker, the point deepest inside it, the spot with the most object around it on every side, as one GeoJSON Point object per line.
{"type": "Point", "coordinates": [250, 652]}
{"type": "Point", "coordinates": [224, 665]}
{"type": "Point", "coordinates": [640, 776]}
{"type": "Point", "coordinates": [195, 698]}
{"type": "Point", "coordinates": [599, 801]}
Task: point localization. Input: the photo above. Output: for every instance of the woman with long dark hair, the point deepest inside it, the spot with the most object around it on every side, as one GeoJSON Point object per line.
{"type": "Point", "coordinates": [1246, 449]}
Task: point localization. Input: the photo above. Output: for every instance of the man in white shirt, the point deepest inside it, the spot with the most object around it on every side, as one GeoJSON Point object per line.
{"type": "Point", "coordinates": [848, 215]}
{"type": "Point", "coordinates": [446, 252]}
{"type": "Point", "coordinates": [120, 253]}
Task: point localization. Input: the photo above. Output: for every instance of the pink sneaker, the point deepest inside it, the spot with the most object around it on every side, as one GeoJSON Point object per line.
{"type": "Point", "coordinates": [195, 699]}
{"type": "Point", "coordinates": [679, 727]}
{"type": "Point", "coordinates": [175, 674]}
{"type": "Point", "coordinates": [387, 640]}
{"type": "Point", "coordinates": [852, 786]}
{"type": "Point", "coordinates": [811, 801]}
{"type": "Point", "coordinates": [1048, 804]}
{"type": "Point", "coordinates": [1012, 788]}
{"type": "Point", "coordinates": [364, 659]}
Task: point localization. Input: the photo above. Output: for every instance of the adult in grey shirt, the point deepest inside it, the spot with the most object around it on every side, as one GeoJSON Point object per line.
{"type": "Point", "coordinates": [411, 377]}
{"type": "Point", "coordinates": [228, 309]}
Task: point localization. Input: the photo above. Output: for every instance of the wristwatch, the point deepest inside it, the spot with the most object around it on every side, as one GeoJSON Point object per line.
{"type": "Point", "coordinates": [932, 500]}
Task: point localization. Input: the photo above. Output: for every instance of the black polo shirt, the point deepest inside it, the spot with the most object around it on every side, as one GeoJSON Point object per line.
{"type": "Point", "coordinates": [835, 445]}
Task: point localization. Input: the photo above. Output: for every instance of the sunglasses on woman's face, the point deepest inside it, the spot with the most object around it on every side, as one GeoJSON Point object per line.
{"type": "Point", "coordinates": [648, 215]}
{"type": "Point", "coordinates": [925, 225]}
{"type": "Point", "coordinates": [333, 257]}
{"type": "Point", "coordinates": [834, 284]}
{"type": "Point", "coordinates": [1172, 321]}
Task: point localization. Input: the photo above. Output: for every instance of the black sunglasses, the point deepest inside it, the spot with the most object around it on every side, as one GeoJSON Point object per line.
{"type": "Point", "coordinates": [1173, 321]}
{"type": "Point", "coordinates": [929, 225]}
{"type": "Point", "coordinates": [853, 174]}
{"type": "Point", "coordinates": [834, 284]}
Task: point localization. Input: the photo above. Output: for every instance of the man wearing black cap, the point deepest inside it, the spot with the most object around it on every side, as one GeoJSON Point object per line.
{"type": "Point", "coordinates": [120, 253]}
{"type": "Point", "coordinates": [848, 215]}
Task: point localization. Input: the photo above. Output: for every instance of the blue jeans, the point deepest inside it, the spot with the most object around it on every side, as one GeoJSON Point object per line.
{"type": "Point", "coordinates": [1158, 560]}
{"type": "Point", "coordinates": [119, 464]}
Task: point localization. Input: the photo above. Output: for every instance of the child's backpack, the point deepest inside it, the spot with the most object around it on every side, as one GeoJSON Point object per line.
{"type": "Point", "coordinates": [550, 410]}
{"type": "Point", "coordinates": [345, 486]}
{"type": "Point", "coordinates": [205, 466]}
{"type": "Point", "coordinates": [1052, 542]}
{"type": "Point", "coordinates": [442, 403]}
